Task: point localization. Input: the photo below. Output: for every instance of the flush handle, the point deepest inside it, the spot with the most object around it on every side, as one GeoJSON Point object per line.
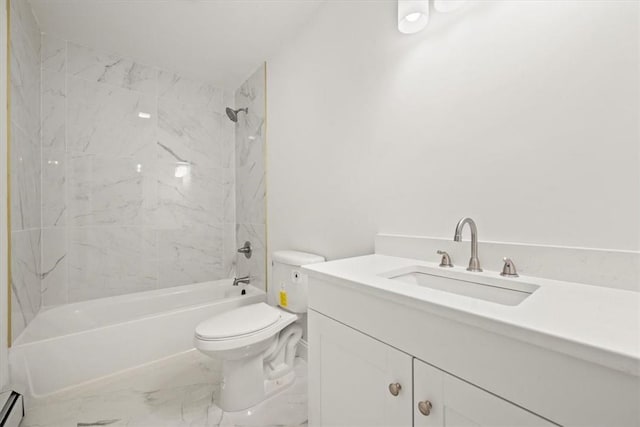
{"type": "Point", "coordinates": [394, 389]}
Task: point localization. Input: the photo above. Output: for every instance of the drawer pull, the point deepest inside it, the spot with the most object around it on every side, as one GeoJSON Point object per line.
{"type": "Point", "coordinates": [424, 407]}
{"type": "Point", "coordinates": [394, 388]}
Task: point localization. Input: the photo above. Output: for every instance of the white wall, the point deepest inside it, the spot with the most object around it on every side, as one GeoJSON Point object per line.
{"type": "Point", "coordinates": [520, 114]}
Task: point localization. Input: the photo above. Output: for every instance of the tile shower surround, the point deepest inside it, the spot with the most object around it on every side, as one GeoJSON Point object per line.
{"type": "Point", "coordinates": [250, 172]}
{"type": "Point", "coordinates": [131, 203]}
{"type": "Point", "coordinates": [25, 166]}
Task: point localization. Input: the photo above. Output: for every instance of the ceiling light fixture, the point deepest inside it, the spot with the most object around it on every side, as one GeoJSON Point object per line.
{"type": "Point", "coordinates": [413, 15]}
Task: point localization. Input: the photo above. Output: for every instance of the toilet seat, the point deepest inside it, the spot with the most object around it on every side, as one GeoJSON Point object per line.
{"type": "Point", "coordinates": [239, 322]}
{"type": "Point", "coordinates": [241, 327]}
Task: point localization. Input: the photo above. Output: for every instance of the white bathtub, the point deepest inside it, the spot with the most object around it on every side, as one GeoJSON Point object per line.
{"type": "Point", "coordinates": [75, 343]}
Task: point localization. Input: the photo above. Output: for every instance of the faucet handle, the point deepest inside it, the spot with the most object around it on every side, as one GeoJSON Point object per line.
{"type": "Point", "coordinates": [509, 268]}
{"type": "Point", "coordinates": [446, 259]}
{"type": "Point", "coordinates": [246, 249]}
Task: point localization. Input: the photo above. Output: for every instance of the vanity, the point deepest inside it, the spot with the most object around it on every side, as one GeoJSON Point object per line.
{"type": "Point", "coordinates": [401, 341]}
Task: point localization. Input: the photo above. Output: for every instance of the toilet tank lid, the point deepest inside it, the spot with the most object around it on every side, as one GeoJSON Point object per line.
{"type": "Point", "coordinates": [296, 258]}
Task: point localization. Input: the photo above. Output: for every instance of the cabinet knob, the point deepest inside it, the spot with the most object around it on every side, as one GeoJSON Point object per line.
{"type": "Point", "coordinates": [424, 407]}
{"type": "Point", "coordinates": [394, 388]}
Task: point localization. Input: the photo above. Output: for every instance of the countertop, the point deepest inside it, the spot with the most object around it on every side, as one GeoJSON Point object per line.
{"type": "Point", "coordinates": [594, 323]}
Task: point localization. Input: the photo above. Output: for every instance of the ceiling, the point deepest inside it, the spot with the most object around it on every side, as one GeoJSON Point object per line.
{"type": "Point", "coordinates": [221, 41]}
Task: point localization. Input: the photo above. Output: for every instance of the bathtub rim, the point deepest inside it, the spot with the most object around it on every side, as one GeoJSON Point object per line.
{"type": "Point", "coordinates": [251, 290]}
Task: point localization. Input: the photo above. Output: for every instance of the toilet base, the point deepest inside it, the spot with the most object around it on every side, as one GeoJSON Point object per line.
{"type": "Point", "coordinates": [272, 387]}
{"type": "Point", "coordinates": [259, 373]}
{"type": "Point", "coordinates": [244, 386]}
{"type": "Point", "coordinates": [287, 405]}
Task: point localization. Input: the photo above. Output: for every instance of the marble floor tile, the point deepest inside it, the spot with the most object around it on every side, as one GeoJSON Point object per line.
{"type": "Point", "coordinates": [177, 391]}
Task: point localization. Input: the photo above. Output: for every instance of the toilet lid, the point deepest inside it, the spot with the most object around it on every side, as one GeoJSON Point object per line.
{"type": "Point", "coordinates": [237, 322]}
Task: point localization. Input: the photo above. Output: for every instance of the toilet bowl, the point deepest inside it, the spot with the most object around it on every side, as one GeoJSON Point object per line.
{"type": "Point", "coordinates": [246, 339]}
{"type": "Point", "coordinates": [257, 343]}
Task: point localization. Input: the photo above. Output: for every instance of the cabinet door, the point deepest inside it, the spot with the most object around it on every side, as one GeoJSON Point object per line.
{"type": "Point", "coordinates": [350, 376]}
{"type": "Point", "coordinates": [457, 403]}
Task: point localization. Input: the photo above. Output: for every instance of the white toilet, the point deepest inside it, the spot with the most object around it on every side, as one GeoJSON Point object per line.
{"type": "Point", "coordinates": [257, 343]}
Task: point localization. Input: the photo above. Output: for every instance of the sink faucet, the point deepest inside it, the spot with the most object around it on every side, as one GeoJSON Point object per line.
{"type": "Point", "coordinates": [244, 280]}
{"type": "Point", "coordinates": [474, 262]}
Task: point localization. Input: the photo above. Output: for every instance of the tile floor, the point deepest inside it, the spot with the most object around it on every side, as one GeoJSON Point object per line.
{"type": "Point", "coordinates": [177, 391]}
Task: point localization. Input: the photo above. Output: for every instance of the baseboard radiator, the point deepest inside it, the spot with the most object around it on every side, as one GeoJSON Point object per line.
{"type": "Point", "coordinates": [12, 409]}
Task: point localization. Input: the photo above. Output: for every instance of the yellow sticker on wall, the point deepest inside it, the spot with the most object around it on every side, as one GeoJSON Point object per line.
{"type": "Point", "coordinates": [283, 299]}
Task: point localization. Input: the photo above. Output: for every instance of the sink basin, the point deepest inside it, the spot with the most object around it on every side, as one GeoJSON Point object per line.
{"type": "Point", "coordinates": [498, 290]}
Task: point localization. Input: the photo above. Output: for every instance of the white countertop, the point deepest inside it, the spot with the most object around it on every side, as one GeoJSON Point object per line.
{"type": "Point", "coordinates": [594, 323]}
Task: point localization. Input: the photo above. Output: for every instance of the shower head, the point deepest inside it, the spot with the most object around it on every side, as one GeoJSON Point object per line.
{"type": "Point", "coordinates": [233, 114]}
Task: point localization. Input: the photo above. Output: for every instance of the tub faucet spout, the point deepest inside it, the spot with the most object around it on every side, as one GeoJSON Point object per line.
{"type": "Point", "coordinates": [244, 280]}
{"type": "Point", "coordinates": [474, 262]}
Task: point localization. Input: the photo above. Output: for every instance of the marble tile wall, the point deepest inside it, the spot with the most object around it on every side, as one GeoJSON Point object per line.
{"type": "Point", "coordinates": [250, 175]}
{"type": "Point", "coordinates": [138, 176]}
{"type": "Point", "coordinates": [25, 168]}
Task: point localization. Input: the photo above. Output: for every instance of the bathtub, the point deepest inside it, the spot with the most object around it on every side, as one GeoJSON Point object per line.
{"type": "Point", "coordinates": [71, 344]}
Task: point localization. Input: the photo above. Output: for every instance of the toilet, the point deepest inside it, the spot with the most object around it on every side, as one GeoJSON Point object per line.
{"type": "Point", "coordinates": [257, 343]}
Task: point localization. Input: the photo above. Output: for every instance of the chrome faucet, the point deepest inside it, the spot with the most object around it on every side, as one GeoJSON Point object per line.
{"type": "Point", "coordinates": [474, 262]}
{"type": "Point", "coordinates": [244, 280]}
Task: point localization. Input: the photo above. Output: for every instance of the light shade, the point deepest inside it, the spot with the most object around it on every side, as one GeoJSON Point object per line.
{"type": "Point", "coordinates": [448, 5]}
{"type": "Point", "coordinates": [413, 15]}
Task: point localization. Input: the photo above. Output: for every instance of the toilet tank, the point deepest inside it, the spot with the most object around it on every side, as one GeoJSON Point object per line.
{"type": "Point", "coordinates": [288, 279]}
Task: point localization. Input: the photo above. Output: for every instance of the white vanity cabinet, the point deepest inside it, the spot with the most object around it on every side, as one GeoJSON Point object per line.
{"type": "Point", "coordinates": [358, 381]}
{"type": "Point", "coordinates": [441, 399]}
{"type": "Point", "coordinates": [474, 371]}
